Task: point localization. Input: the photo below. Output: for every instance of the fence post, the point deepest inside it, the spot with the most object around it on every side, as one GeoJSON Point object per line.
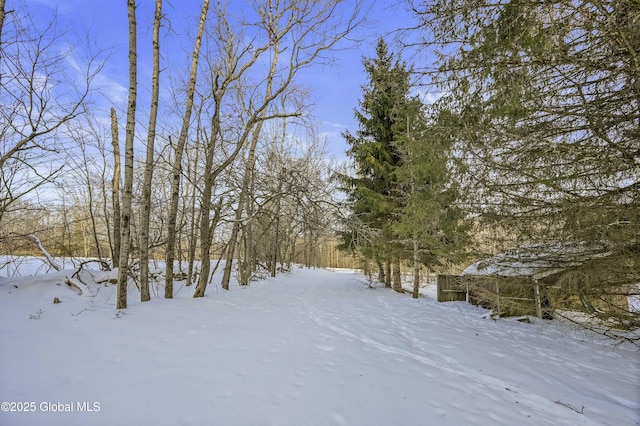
{"type": "Point", "coordinates": [536, 296]}
{"type": "Point", "coordinates": [466, 297]}
{"type": "Point", "coordinates": [498, 298]}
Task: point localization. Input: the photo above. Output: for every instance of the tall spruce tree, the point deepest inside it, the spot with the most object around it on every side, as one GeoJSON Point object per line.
{"type": "Point", "coordinates": [402, 198]}
{"type": "Point", "coordinates": [431, 225]}
{"type": "Point", "coordinates": [373, 192]}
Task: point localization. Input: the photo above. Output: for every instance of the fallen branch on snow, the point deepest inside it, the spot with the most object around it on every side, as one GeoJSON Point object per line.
{"type": "Point", "coordinates": [581, 411]}
{"type": "Point", "coordinates": [85, 309]}
{"type": "Point", "coordinates": [78, 285]}
{"type": "Point", "coordinates": [44, 251]}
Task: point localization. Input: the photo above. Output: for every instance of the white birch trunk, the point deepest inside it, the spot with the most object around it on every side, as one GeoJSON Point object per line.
{"type": "Point", "coordinates": [125, 225]}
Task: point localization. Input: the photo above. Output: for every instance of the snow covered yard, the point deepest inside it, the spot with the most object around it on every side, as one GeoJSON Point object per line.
{"type": "Point", "coordinates": [311, 348]}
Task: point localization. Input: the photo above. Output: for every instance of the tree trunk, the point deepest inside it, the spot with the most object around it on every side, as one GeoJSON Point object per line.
{"type": "Point", "coordinates": [244, 262]}
{"type": "Point", "coordinates": [416, 269]}
{"type": "Point", "coordinates": [226, 276]}
{"type": "Point", "coordinates": [387, 275]}
{"type": "Point", "coordinates": [90, 206]}
{"type": "Point", "coordinates": [128, 161]}
{"type": "Point", "coordinates": [177, 162]}
{"type": "Point", "coordinates": [275, 244]}
{"type": "Point", "coordinates": [397, 277]}
{"type": "Point", "coordinates": [2, 13]}
{"type": "Point", "coordinates": [248, 266]}
{"type": "Point", "coordinates": [381, 274]}
{"type": "Point", "coordinates": [207, 226]}
{"type": "Point", "coordinates": [145, 216]}
{"type": "Point", "coordinates": [115, 189]}
{"type": "Point", "coordinates": [192, 170]}
{"type": "Point", "coordinates": [107, 211]}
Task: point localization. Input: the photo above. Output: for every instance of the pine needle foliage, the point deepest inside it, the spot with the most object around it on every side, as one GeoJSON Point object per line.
{"type": "Point", "coordinates": [545, 103]}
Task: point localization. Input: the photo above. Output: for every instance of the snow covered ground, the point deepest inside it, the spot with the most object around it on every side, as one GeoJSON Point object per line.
{"type": "Point", "coordinates": [314, 347]}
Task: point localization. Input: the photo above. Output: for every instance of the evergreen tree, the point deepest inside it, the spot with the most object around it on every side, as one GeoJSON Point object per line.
{"type": "Point", "coordinates": [373, 193]}
{"type": "Point", "coordinates": [431, 225]}
{"type": "Point", "coordinates": [402, 200]}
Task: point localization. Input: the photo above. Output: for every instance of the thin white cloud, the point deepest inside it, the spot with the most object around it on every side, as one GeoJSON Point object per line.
{"type": "Point", "coordinates": [62, 6]}
{"type": "Point", "coordinates": [114, 92]}
{"type": "Point", "coordinates": [427, 97]}
{"type": "Point", "coordinates": [328, 136]}
{"type": "Point", "coordinates": [335, 125]}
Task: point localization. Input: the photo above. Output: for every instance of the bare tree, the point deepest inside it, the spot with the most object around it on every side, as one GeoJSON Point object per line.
{"type": "Point", "coordinates": [148, 165]}
{"type": "Point", "coordinates": [40, 95]}
{"type": "Point", "coordinates": [86, 167]}
{"type": "Point", "coordinates": [115, 189]}
{"type": "Point", "coordinates": [177, 162]}
{"type": "Point", "coordinates": [237, 59]}
{"type": "Point", "coordinates": [291, 201]}
{"type": "Point", "coordinates": [242, 199]}
{"type": "Point", "coordinates": [191, 195]}
{"type": "Point", "coordinates": [295, 34]}
{"type": "Point", "coordinates": [127, 192]}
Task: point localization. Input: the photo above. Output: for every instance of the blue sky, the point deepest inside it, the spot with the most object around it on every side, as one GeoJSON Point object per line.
{"type": "Point", "coordinates": [334, 89]}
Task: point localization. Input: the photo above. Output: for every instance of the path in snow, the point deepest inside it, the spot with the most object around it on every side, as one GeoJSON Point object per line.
{"type": "Point", "coordinates": [314, 347]}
